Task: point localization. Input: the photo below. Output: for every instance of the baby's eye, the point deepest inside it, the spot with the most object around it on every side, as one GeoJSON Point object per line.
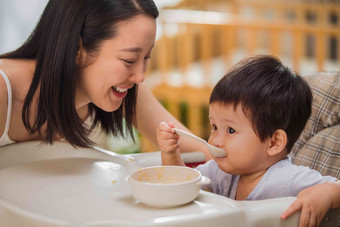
{"type": "Point", "coordinates": [147, 57]}
{"type": "Point", "coordinates": [230, 130]}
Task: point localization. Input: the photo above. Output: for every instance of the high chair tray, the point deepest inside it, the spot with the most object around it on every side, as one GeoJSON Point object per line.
{"type": "Point", "coordinates": [58, 185]}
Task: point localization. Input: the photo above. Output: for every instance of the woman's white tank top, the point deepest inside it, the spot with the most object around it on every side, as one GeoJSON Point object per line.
{"type": "Point", "coordinates": [4, 139]}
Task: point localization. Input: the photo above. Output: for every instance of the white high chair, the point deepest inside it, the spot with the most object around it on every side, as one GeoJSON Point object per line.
{"type": "Point", "coordinates": [59, 185]}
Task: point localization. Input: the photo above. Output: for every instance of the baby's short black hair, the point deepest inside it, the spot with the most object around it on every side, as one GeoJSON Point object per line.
{"type": "Point", "coordinates": [271, 95]}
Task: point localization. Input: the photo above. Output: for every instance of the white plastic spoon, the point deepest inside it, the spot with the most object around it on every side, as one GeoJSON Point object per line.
{"type": "Point", "coordinates": [127, 161]}
{"type": "Point", "coordinates": [215, 151]}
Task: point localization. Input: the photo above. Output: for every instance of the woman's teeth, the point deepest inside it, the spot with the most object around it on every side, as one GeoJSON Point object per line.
{"type": "Point", "coordinates": [121, 90]}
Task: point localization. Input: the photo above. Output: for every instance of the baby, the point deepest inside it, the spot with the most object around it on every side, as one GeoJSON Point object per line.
{"type": "Point", "coordinates": [257, 112]}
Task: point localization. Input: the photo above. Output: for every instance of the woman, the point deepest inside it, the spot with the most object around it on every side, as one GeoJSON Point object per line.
{"type": "Point", "coordinates": [85, 59]}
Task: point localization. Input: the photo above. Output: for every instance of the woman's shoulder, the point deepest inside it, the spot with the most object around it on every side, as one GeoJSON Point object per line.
{"type": "Point", "coordinates": [15, 66]}
{"type": "Point", "coordinates": [3, 102]}
{"type": "Point", "coordinates": [3, 88]}
{"type": "Point", "coordinates": [19, 72]}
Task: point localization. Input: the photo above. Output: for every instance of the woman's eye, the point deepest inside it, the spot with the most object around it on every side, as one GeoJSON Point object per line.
{"type": "Point", "coordinates": [128, 61]}
{"type": "Point", "coordinates": [214, 127]}
{"type": "Point", "coordinates": [147, 57]}
{"type": "Point", "coordinates": [230, 130]}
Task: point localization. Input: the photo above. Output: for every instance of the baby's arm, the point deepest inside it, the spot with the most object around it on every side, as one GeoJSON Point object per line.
{"type": "Point", "coordinates": [314, 202]}
{"type": "Point", "coordinates": [167, 141]}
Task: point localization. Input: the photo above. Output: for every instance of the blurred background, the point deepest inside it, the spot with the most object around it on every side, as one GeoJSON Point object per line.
{"type": "Point", "coordinates": [199, 40]}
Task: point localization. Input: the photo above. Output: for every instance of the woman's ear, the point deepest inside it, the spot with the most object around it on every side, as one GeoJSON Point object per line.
{"type": "Point", "coordinates": [79, 52]}
{"type": "Point", "coordinates": [278, 142]}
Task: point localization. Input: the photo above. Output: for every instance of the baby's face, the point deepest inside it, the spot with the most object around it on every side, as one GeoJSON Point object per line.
{"type": "Point", "coordinates": [232, 131]}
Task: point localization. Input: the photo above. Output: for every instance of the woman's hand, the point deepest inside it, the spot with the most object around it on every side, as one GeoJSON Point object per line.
{"type": "Point", "coordinates": [314, 202]}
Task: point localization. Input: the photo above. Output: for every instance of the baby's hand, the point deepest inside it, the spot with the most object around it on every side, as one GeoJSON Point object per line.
{"type": "Point", "coordinates": [314, 202]}
{"type": "Point", "coordinates": [167, 139]}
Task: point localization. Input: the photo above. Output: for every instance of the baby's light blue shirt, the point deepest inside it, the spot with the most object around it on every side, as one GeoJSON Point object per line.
{"type": "Point", "coordinates": [281, 180]}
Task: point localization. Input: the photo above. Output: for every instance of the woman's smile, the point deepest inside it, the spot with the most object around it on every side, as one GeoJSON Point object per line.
{"type": "Point", "coordinates": [119, 92]}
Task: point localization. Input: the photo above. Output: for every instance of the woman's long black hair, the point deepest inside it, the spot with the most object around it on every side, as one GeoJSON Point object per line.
{"type": "Point", "coordinates": [54, 45]}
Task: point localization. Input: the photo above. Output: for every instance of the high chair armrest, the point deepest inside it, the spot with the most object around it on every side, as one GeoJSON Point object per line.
{"type": "Point", "coordinates": [331, 219]}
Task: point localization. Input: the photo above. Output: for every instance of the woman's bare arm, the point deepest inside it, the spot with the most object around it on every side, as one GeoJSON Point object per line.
{"type": "Point", "coordinates": [150, 113]}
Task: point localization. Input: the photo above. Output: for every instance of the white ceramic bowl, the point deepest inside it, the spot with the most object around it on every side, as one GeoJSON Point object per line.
{"type": "Point", "coordinates": [166, 186]}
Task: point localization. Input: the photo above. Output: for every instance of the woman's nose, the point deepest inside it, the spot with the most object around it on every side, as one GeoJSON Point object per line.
{"type": "Point", "coordinates": [138, 74]}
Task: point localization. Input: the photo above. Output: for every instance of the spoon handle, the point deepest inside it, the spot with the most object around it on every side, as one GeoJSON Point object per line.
{"type": "Point", "coordinates": [127, 161]}
{"type": "Point", "coordinates": [215, 151]}
{"type": "Point", "coordinates": [184, 133]}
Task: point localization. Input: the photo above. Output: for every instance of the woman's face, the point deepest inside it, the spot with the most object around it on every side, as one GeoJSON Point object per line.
{"type": "Point", "coordinates": [119, 64]}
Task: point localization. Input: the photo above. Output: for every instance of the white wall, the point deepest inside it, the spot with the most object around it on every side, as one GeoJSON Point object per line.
{"type": "Point", "coordinates": [17, 20]}
{"type": "Point", "coordinates": [19, 17]}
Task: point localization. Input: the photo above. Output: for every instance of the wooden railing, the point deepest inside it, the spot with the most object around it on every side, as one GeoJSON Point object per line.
{"type": "Point", "coordinates": [295, 32]}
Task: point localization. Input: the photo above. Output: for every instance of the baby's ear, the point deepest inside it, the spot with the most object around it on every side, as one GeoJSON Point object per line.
{"type": "Point", "coordinates": [277, 143]}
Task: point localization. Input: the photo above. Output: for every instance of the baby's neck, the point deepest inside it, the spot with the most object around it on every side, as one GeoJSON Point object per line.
{"type": "Point", "coordinates": [247, 183]}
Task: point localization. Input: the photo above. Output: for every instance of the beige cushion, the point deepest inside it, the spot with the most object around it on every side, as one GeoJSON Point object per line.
{"type": "Point", "coordinates": [319, 144]}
